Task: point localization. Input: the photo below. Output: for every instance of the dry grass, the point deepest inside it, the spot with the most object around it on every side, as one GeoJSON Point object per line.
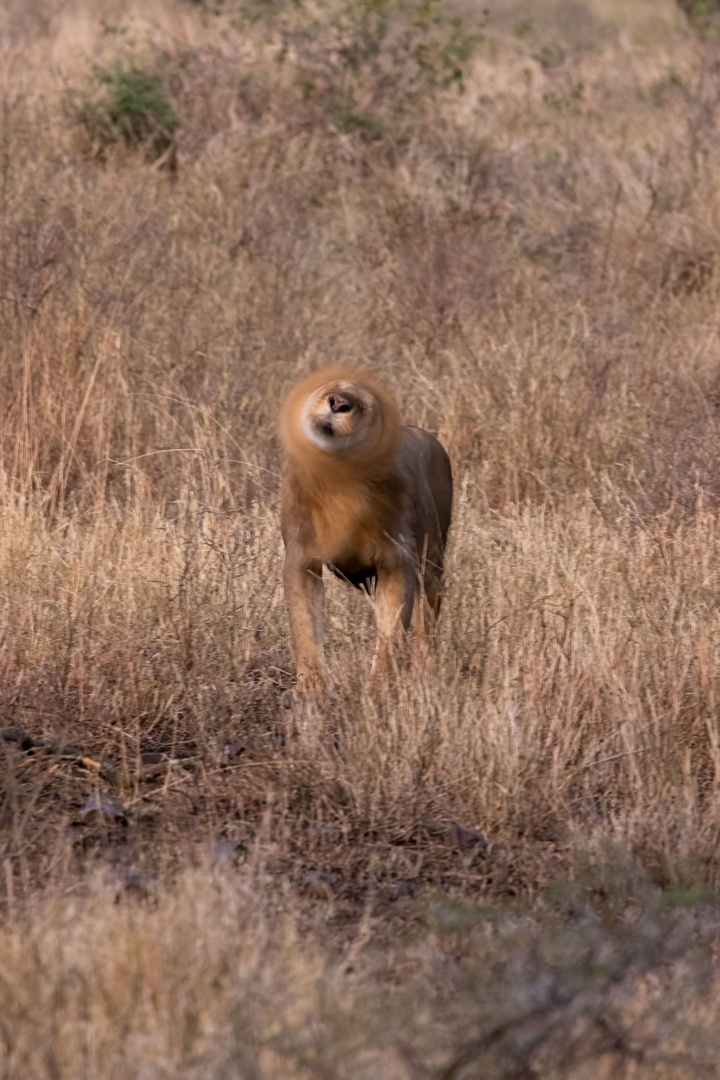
{"type": "Point", "coordinates": [533, 262]}
{"type": "Point", "coordinates": [211, 979]}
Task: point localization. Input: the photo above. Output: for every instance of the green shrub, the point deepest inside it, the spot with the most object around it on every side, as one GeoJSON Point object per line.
{"type": "Point", "coordinates": [700, 13]}
{"type": "Point", "coordinates": [133, 108]}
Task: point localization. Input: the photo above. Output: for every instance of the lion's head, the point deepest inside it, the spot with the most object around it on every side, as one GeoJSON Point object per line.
{"type": "Point", "coordinates": [339, 415]}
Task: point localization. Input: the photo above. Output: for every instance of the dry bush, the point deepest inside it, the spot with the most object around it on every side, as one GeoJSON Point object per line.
{"type": "Point", "coordinates": [530, 258]}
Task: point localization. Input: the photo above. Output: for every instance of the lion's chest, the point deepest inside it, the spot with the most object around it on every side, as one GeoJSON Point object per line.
{"type": "Point", "coordinates": [347, 528]}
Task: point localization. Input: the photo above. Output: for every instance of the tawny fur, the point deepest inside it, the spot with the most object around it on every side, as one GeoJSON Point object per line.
{"type": "Point", "coordinates": [367, 497]}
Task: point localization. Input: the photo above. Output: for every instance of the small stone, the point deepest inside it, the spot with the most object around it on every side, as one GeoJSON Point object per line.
{"type": "Point", "coordinates": [230, 852]}
{"type": "Point", "coordinates": [330, 832]}
{"type": "Point", "coordinates": [152, 757]}
{"type": "Point", "coordinates": [235, 749]}
{"type": "Point", "coordinates": [400, 890]}
{"type": "Point", "coordinates": [139, 885]}
{"type": "Point", "coordinates": [318, 886]}
{"type": "Point", "coordinates": [466, 839]}
{"type": "Point", "coordinates": [102, 807]}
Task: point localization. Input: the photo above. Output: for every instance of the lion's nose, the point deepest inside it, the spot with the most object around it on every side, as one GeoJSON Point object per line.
{"type": "Point", "coordinates": [338, 404]}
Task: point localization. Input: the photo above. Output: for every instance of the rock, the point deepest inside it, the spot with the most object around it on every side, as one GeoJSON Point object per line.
{"type": "Point", "coordinates": [400, 890]}
{"type": "Point", "coordinates": [318, 886]}
{"type": "Point", "coordinates": [230, 852]}
{"type": "Point", "coordinates": [467, 840]}
{"type": "Point", "coordinates": [17, 735]}
{"type": "Point", "coordinates": [102, 807]}
{"type": "Point", "coordinates": [235, 749]}
{"type": "Point", "coordinates": [136, 884]}
{"type": "Point", "coordinates": [152, 757]}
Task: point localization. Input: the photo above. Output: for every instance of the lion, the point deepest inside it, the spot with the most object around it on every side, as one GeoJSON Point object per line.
{"type": "Point", "coordinates": [370, 499]}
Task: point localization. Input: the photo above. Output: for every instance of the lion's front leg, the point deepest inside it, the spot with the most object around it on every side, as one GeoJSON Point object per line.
{"type": "Point", "coordinates": [428, 611]}
{"type": "Point", "coordinates": [394, 599]}
{"type": "Point", "coordinates": [305, 599]}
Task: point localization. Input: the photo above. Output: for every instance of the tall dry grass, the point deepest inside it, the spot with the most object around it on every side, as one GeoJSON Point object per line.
{"type": "Point", "coordinates": [531, 259]}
